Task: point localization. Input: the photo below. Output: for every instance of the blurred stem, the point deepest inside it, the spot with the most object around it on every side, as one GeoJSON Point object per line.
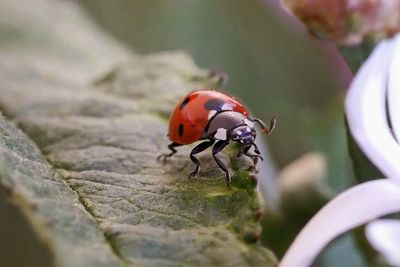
{"type": "Point", "coordinates": [372, 256]}
{"type": "Point", "coordinates": [356, 55]}
{"type": "Point", "coordinates": [363, 169]}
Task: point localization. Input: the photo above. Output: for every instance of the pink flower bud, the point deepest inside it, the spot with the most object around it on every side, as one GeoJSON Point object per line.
{"type": "Point", "coordinates": [348, 22]}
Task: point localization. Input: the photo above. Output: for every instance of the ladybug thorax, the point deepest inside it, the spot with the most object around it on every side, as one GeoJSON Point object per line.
{"type": "Point", "coordinates": [231, 125]}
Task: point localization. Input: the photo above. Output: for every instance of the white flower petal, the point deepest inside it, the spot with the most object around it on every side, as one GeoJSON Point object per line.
{"type": "Point", "coordinates": [349, 209]}
{"type": "Point", "coordinates": [384, 236]}
{"type": "Point", "coordinates": [366, 111]}
{"type": "Point", "coordinates": [394, 91]}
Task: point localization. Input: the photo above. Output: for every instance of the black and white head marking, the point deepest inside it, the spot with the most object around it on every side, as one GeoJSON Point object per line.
{"type": "Point", "coordinates": [221, 134]}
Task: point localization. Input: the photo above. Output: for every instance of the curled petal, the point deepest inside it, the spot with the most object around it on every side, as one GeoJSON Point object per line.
{"type": "Point", "coordinates": [394, 91]}
{"type": "Point", "coordinates": [384, 236]}
{"type": "Point", "coordinates": [349, 209]}
{"type": "Point", "coordinates": [366, 111]}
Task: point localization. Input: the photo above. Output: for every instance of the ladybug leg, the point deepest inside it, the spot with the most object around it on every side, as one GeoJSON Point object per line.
{"type": "Point", "coordinates": [264, 127]}
{"type": "Point", "coordinates": [255, 157]}
{"type": "Point", "coordinates": [219, 146]}
{"type": "Point", "coordinates": [256, 150]}
{"type": "Point", "coordinates": [199, 148]}
{"type": "Point", "coordinates": [240, 152]}
{"type": "Point", "coordinates": [171, 147]}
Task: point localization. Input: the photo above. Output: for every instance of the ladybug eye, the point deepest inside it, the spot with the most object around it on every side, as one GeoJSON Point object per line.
{"type": "Point", "coordinates": [236, 135]}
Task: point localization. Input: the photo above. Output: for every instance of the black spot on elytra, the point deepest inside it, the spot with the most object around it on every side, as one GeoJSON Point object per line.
{"type": "Point", "coordinates": [184, 103]}
{"type": "Point", "coordinates": [180, 130]}
{"type": "Point", "coordinates": [214, 104]}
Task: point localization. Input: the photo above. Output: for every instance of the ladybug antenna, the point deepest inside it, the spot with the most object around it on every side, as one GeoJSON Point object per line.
{"type": "Point", "coordinates": [264, 127]}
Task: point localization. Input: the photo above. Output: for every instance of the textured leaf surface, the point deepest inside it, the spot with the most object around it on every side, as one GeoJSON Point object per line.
{"type": "Point", "coordinates": [87, 162]}
{"type": "Point", "coordinates": [50, 203]}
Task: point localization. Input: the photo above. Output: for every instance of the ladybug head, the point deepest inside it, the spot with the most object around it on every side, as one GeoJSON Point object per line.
{"type": "Point", "coordinates": [243, 134]}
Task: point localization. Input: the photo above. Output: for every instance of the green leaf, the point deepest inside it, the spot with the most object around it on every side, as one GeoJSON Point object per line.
{"type": "Point", "coordinates": [51, 206]}
{"type": "Point", "coordinates": [86, 159]}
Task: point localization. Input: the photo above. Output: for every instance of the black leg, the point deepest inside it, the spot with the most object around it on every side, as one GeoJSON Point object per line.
{"type": "Point", "coordinates": [219, 146]}
{"type": "Point", "coordinates": [199, 148]}
{"type": "Point", "coordinates": [240, 152]}
{"type": "Point", "coordinates": [171, 147]}
{"type": "Point", "coordinates": [264, 127]}
{"type": "Point", "coordinates": [256, 150]}
{"type": "Point", "coordinates": [254, 157]}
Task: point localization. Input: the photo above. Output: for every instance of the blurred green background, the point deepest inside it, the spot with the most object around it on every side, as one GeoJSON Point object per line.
{"type": "Point", "coordinates": [274, 66]}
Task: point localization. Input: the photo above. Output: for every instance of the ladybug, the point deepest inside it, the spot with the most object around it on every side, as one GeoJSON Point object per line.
{"type": "Point", "coordinates": [217, 119]}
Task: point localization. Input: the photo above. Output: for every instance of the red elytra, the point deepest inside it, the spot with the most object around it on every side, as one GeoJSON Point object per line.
{"type": "Point", "coordinates": [192, 114]}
